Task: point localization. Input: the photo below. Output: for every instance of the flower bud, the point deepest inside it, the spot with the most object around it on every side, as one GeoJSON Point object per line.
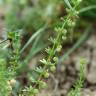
{"type": "Point", "coordinates": [70, 23]}
{"type": "Point", "coordinates": [64, 37]}
{"type": "Point", "coordinates": [12, 82]}
{"type": "Point", "coordinates": [9, 88]}
{"type": "Point", "coordinates": [73, 24]}
{"type": "Point", "coordinates": [64, 31]}
{"type": "Point", "coordinates": [55, 59]}
{"type": "Point", "coordinates": [52, 68]}
{"type": "Point", "coordinates": [83, 61]}
{"type": "Point", "coordinates": [59, 48]}
{"type": "Point", "coordinates": [42, 84]}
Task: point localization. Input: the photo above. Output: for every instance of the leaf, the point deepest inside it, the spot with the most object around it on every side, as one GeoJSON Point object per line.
{"type": "Point", "coordinates": [68, 4]}
{"type": "Point", "coordinates": [70, 7]}
{"type": "Point", "coordinates": [44, 61]}
{"type": "Point", "coordinates": [32, 38]}
{"type": "Point", "coordinates": [87, 8]}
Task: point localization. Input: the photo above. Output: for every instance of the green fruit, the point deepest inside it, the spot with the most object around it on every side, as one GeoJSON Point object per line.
{"type": "Point", "coordinates": [46, 74]}
{"type": "Point", "coordinates": [52, 68]}
{"type": "Point", "coordinates": [42, 84]}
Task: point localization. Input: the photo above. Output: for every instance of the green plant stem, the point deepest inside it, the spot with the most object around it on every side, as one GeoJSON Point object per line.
{"type": "Point", "coordinates": [53, 48]}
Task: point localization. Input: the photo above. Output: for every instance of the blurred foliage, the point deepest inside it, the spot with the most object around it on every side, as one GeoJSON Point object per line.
{"type": "Point", "coordinates": [36, 19]}
{"type": "Point", "coordinates": [89, 14]}
{"type": "Point", "coordinates": [29, 15]}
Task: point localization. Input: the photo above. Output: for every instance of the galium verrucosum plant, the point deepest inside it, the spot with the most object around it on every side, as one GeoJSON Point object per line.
{"type": "Point", "coordinates": [79, 83]}
{"type": "Point", "coordinates": [9, 63]}
{"type": "Point", "coordinates": [48, 64]}
{"type": "Point", "coordinates": [5, 75]}
{"type": "Point", "coordinates": [14, 38]}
